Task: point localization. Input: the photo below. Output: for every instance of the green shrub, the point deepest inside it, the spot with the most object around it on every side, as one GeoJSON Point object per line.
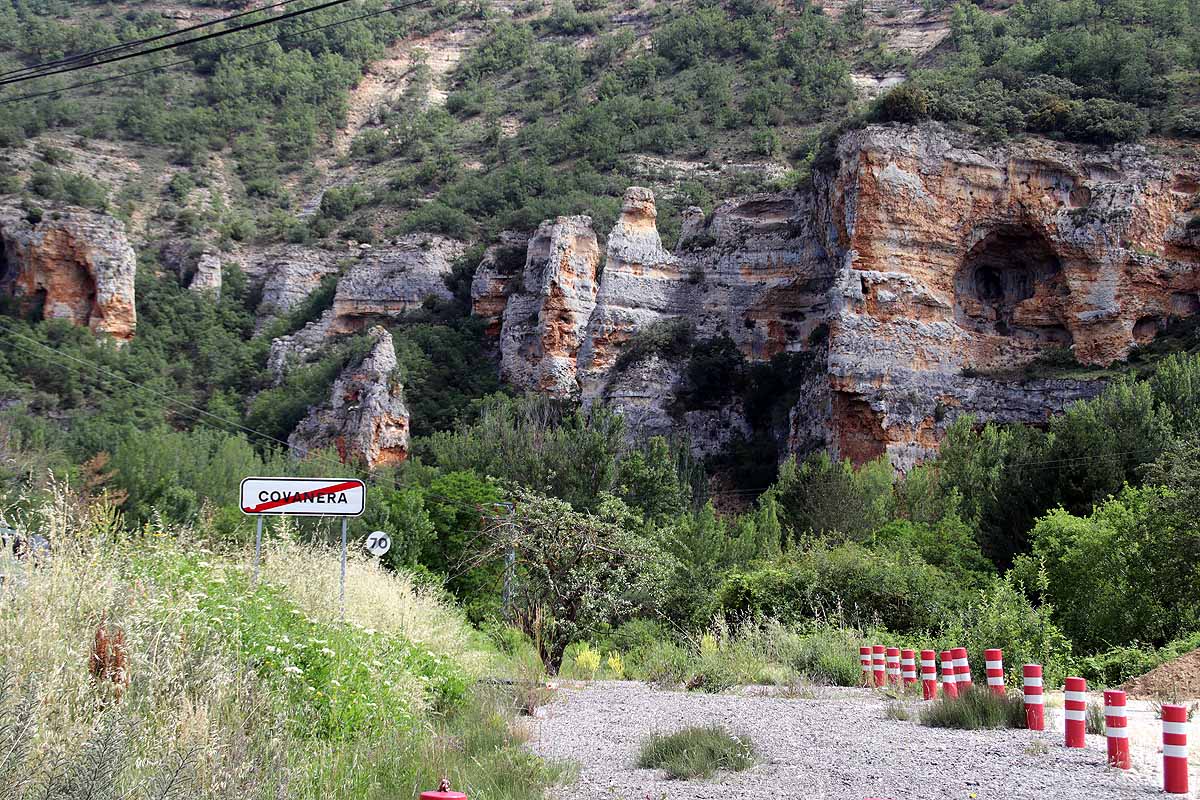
{"type": "Point", "coordinates": [973, 709]}
{"type": "Point", "coordinates": [862, 585]}
{"type": "Point", "coordinates": [828, 655]}
{"type": "Point", "coordinates": [1094, 719]}
{"type": "Point", "coordinates": [696, 752]}
{"type": "Point", "coordinates": [905, 103]}
{"type": "Point", "coordinates": [663, 663]}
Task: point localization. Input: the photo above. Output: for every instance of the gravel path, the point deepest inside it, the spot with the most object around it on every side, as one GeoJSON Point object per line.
{"type": "Point", "coordinates": [831, 743]}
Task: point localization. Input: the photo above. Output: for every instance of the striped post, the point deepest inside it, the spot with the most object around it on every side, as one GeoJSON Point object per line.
{"type": "Point", "coordinates": [928, 675]}
{"type": "Point", "coordinates": [908, 667]}
{"type": "Point", "coordinates": [962, 669]}
{"type": "Point", "coordinates": [1175, 752]}
{"type": "Point", "coordinates": [949, 679]}
{"type": "Point", "coordinates": [893, 666]}
{"type": "Point", "coordinates": [1076, 712]}
{"type": "Point", "coordinates": [877, 664]}
{"type": "Point", "coordinates": [864, 658]}
{"type": "Point", "coordinates": [994, 664]}
{"type": "Point", "coordinates": [1115, 731]}
{"type": "Point", "coordinates": [1035, 716]}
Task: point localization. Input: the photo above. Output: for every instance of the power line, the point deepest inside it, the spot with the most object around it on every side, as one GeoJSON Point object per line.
{"type": "Point", "coordinates": [137, 42]}
{"type": "Point", "coordinates": [173, 45]}
{"type": "Point", "coordinates": [290, 35]}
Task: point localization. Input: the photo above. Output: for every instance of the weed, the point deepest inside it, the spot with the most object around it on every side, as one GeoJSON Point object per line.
{"type": "Point", "coordinates": [897, 710]}
{"type": "Point", "coordinates": [696, 752]}
{"type": "Point", "coordinates": [1095, 719]}
{"type": "Point", "coordinates": [974, 709]}
{"type": "Point", "coordinates": [587, 661]}
{"type": "Point", "coordinates": [1037, 747]}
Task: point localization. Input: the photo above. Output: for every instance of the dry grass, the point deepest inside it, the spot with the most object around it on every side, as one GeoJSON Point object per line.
{"type": "Point", "coordinates": [375, 599]}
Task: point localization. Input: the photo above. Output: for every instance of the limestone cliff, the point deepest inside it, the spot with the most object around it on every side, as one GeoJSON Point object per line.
{"type": "Point", "coordinates": [391, 280]}
{"type": "Point", "coordinates": [71, 264]}
{"type": "Point", "coordinates": [545, 314]}
{"type": "Point", "coordinates": [960, 260]}
{"type": "Point", "coordinates": [366, 419]}
{"type": "Point", "coordinates": [919, 271]}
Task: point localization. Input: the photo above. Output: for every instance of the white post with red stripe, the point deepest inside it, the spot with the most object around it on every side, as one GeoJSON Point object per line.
{"type": "Point", "coordinates": [878, 668]}
{"type": "Point", "coordinates": [908, 667]}
{"type": "Point", "coordinates": [1035, 712]}
{"type": "Point", "coordinates": [928, 675]}
{"type": "Point", "coordinates": [949, 679]}
{"type": "Point", "coordinates": [1115, 732]}
{"type": "Point", "coordinates": [1175, 751]}
{"type": "Point", "coordinates": [1076, 712]}
{"type": "Point", "coordinates": [994, 664]}
{"type": "Point", "coordinates": [893, 666]}
{"type": "Point", "coordinates": [962, 668]}
{"type": "Point", "coordinates": [864, 658]}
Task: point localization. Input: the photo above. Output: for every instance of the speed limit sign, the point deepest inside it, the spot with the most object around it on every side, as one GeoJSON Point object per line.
{"type": "Point", "coordinates": [378, 543]}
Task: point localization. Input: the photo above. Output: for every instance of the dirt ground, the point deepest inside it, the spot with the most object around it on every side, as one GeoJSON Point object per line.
{"type": "Point", "coordinates": [1170, 682]}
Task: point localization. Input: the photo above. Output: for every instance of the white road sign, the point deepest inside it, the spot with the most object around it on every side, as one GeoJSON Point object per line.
{"type": "Point", "coordinates": [304, 497]}
{"type": "Point", "coordinates": [378, 543]}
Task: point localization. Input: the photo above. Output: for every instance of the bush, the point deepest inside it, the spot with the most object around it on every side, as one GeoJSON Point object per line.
{"type": "Point", "coordinates": [864, 586]}
{"type": "Point", "coordinates": [828, 656]}
{"type": "Point", "coordinates": [974, 709]}
{"type": "Point", "coordinates": [696, 752]}
{"type": "Point", "coordinates": [906, 103]}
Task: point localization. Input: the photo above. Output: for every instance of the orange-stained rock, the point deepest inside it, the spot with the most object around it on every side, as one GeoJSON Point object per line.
{"type": "Point", "coordinates": [72, 264]}
{"type": "Point", "coordinates": [365, 419]}
{"type": "Point", "coordinates": [545, 315]}
{"type": "Point", "coordinates": [962, 263]}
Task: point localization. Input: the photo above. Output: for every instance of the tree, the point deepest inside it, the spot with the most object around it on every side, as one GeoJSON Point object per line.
{"type": "Point", "coordinates": [575, 571]}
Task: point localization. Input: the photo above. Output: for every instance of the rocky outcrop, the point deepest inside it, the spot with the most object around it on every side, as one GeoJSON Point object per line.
{"type": "Point", "coordinates": [71, 264]}
{"type": "Point", "coordinates": [920, 273]}
{"type": "Point", "coordinates": [289, 275]}
{"type": "Point", "coordinates": [498, 274]}
{"type": "Point", "coordinates": [546, 313]}
{"type": "Point", "coordinates": [389, 281]}
{"type": "Point", "coordinates": [960, 263]}
{"type": "Point", "coordinates": [366, 419]}
{"type": "Point", "coordinates": [207, 277]}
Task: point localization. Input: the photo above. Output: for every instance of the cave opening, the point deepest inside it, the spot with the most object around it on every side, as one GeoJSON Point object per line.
{"type": "Point", "coordinates": [1010, 265]}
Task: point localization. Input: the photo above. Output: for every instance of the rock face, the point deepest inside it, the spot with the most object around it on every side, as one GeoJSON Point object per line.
{"type": "Point", "coordinates": [289, 276]}
{"type": "Point", "coordinates": [546, 313]}
{"type": "Point", "coordinates": [389, 281]}
{"type": "Point", "coordinates": [207, 277]}
{"type": "Point", "coordinates": [920, 273]}
{"type": "Point", "coordinates": [72, 264]}
{"type": "Point", "coordinates": [366, 419]}
{"type": "Point", "coordinates": [498, 274]}
{"type": "Point", "coordinates": [958, 262]}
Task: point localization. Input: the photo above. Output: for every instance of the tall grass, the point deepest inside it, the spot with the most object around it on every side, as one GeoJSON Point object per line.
{"type": "Point", "coordinates": [974, 709]}
{"type": "Point", "coordinates": [239, 691]}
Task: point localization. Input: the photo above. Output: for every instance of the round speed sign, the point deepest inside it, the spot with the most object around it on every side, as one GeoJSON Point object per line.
{"type": "Point", "coordinates": [378, 543]}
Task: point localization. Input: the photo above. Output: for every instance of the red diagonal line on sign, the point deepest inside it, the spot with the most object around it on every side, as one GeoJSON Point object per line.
{"type": "Point", "coordinates": [302, 497]}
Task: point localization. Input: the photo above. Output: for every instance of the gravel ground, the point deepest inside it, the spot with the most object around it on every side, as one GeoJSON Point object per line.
{"type": "Point", "coordinates": [831, 743]}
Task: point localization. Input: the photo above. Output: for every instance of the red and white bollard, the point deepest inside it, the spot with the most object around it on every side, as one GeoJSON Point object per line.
{"type": "Point", "coordinates": [962, 669]}
{"type": "Point", "coordinates": [877, 664]}
{"type": "Point", "coordinates": [949, 679]}
{"type": "Point", "coordinates": [1115, 731]}
{"type": "Point", "coordinates": [1076, 712]}
{"type": "Point", "coordinates": [1035, 711]}
{"type": "Point", "coordinates": [864, 658]}
{"type": "Point", "coordinates": [993, 662]}
{"type": "Point", "coordinates": [928, 675]}
{"type": "Point", "coordinates": [908, 667]}
{"type": "Point", "coordinates": [1175, 752]}
{"type": "Point", "coordinates": [893, 666]}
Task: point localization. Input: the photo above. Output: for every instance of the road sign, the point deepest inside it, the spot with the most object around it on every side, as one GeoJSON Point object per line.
{"type": "Point", "coordinates": [378, 543]}
{"type": "Point", "coordinates": [303, 497]}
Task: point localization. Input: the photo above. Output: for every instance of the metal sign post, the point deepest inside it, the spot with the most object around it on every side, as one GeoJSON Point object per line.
{"type": "Point", "coordinates": [304, 497]}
